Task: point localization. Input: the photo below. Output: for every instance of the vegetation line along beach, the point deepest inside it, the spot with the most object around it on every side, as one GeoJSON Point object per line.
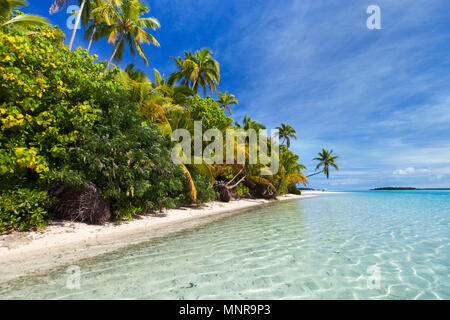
{"type": "Point", "coordinates": [85, 141]}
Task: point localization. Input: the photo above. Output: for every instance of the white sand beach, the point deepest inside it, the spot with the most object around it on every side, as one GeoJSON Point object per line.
{"type": "Point", "coordinates": [62, 243]}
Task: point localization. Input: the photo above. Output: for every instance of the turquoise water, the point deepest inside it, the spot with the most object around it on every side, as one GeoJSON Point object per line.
{"type": "Point", "coordinates": [356, 245]}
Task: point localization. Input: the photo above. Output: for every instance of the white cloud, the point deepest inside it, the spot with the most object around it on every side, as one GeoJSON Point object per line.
{"type": "Point", "coordinates": [404, 172]}
{"type": "Point", "coordinates": [409, 171]}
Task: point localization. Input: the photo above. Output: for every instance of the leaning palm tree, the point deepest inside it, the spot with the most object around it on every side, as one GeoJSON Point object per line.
{"type": "Point", "coordinates": [129, 28]}
{"type": "Point", "coordinates": [225, 100]}
{"type": "Point", "coordinates": [22, 21]}
{"type": "Point", "coordinates": [197, 70]}
{"type": "Point", "coordinates": [85, 9]}
{"type": "Point", "coordinates": [286, 132]}
{"type": "Point", "coordinates": [326, 160]}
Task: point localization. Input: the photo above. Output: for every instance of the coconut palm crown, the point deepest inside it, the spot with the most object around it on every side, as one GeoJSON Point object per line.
{"type": "Point", "coordinates": [197, 70]}
{"type": "Point", "coordinates": [225, 100]}
{"type": "Point", "coordinates": [286, 132]}
{"type": "Point", "coordinates": [129, 29]}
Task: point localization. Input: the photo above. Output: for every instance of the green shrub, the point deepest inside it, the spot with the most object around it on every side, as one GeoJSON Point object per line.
{"type": "Point", "coordinates": [130, 162]}
{"type": "Point", "coordinates": [47, 94]}
{"type": "Point", "coordinates": [295, 190]}
{"type": "Point", "coordinates": [23, 209]}
{"type": "Point", "coordinates": [209, 112]}
{"type": "Point", "coordinates": [242, 190]}
{"type": "Point", "coordinates": [205, 191]}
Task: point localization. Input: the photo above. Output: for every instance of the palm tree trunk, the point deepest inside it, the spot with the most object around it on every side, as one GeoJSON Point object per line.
{"type": "Point", "coordinates": [315, 174]}
{"type": "Point", "coordinates": [92, 38]}
{"type": "Point", "coordinates": [77, 22]}
{"type": "Point", "coordinates": [116, 47]}
{"type": "Point", "coordinates": [275, 195]}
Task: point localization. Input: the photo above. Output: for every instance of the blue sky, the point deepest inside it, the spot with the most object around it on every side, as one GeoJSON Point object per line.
{"type": "Point", "coordinates": [379, 98]}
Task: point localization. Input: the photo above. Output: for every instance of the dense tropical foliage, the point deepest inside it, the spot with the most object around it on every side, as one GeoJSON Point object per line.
{"type": "Point", "coordinates": [86, 140]}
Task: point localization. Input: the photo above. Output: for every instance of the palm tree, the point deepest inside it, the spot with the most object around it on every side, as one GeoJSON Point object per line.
{"type": "Point", "coordinates": [290, 172]}
{"type": "Point", "coordinates": [23, 21]}
{"type": "Point", "coordinates": [225, 100]}
{"type": "Point", "coordinates": [178, 94]}
{"type": "Point", "coordinates": [286, 132]}
{"type": "Point", "coordinates": [153, 97]}
{"type": "Point", "coordinates": [326, 160]}
{"type": "Point", "coordinates": [135, 74]}
{"type": "Point", "coordinates": [156, 105]}
{"type": "Point", "coordinates": [101, 13]}
{"type": "Point", "coordinates": [129, 28]}
{"type": "Point", "coordinates": [249, 123]}
{"type": "Point", "coordinates": [136, 83]}
{"type": "Point", "coordinates": [197, 70]}
{"type": "Point", "coordinates": [85, 9]}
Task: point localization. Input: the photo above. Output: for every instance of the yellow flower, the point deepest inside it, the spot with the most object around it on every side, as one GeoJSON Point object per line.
{"type": "Point", "coordinates": [8, 76]}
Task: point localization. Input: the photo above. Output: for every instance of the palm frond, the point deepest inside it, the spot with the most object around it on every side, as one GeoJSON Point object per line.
{"type": "Point", "coordinates": [27, 21]}
{"type": "Point", "coordinates": [191, 184]}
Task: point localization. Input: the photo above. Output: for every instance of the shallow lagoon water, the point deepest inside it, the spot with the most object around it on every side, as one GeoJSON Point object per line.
{"type": "Point", "coordinates": [355, 245]}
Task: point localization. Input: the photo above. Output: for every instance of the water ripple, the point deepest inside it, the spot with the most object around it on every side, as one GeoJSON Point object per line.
{"type": "Point", "coordinates": [317, 248]}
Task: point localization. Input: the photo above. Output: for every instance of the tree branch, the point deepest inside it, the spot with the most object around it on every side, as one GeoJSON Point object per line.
{"type": "Point", "coordinates": [234, 186]}
{"type": "Point", "coordinates": [228, 183]}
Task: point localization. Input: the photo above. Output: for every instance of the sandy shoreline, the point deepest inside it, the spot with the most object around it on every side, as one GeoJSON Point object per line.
{"type": "Point", "coordinates": [66, 243]}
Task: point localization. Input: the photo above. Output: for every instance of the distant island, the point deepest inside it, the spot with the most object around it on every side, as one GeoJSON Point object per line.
{"type": "Point", "coordinates": [394, 188]}
{"type": "Point", "coordinates": [407, 188]}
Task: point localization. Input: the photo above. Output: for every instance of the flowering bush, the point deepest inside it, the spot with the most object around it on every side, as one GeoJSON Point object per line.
{"type": "Point", "coordinates": [47, 94]}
